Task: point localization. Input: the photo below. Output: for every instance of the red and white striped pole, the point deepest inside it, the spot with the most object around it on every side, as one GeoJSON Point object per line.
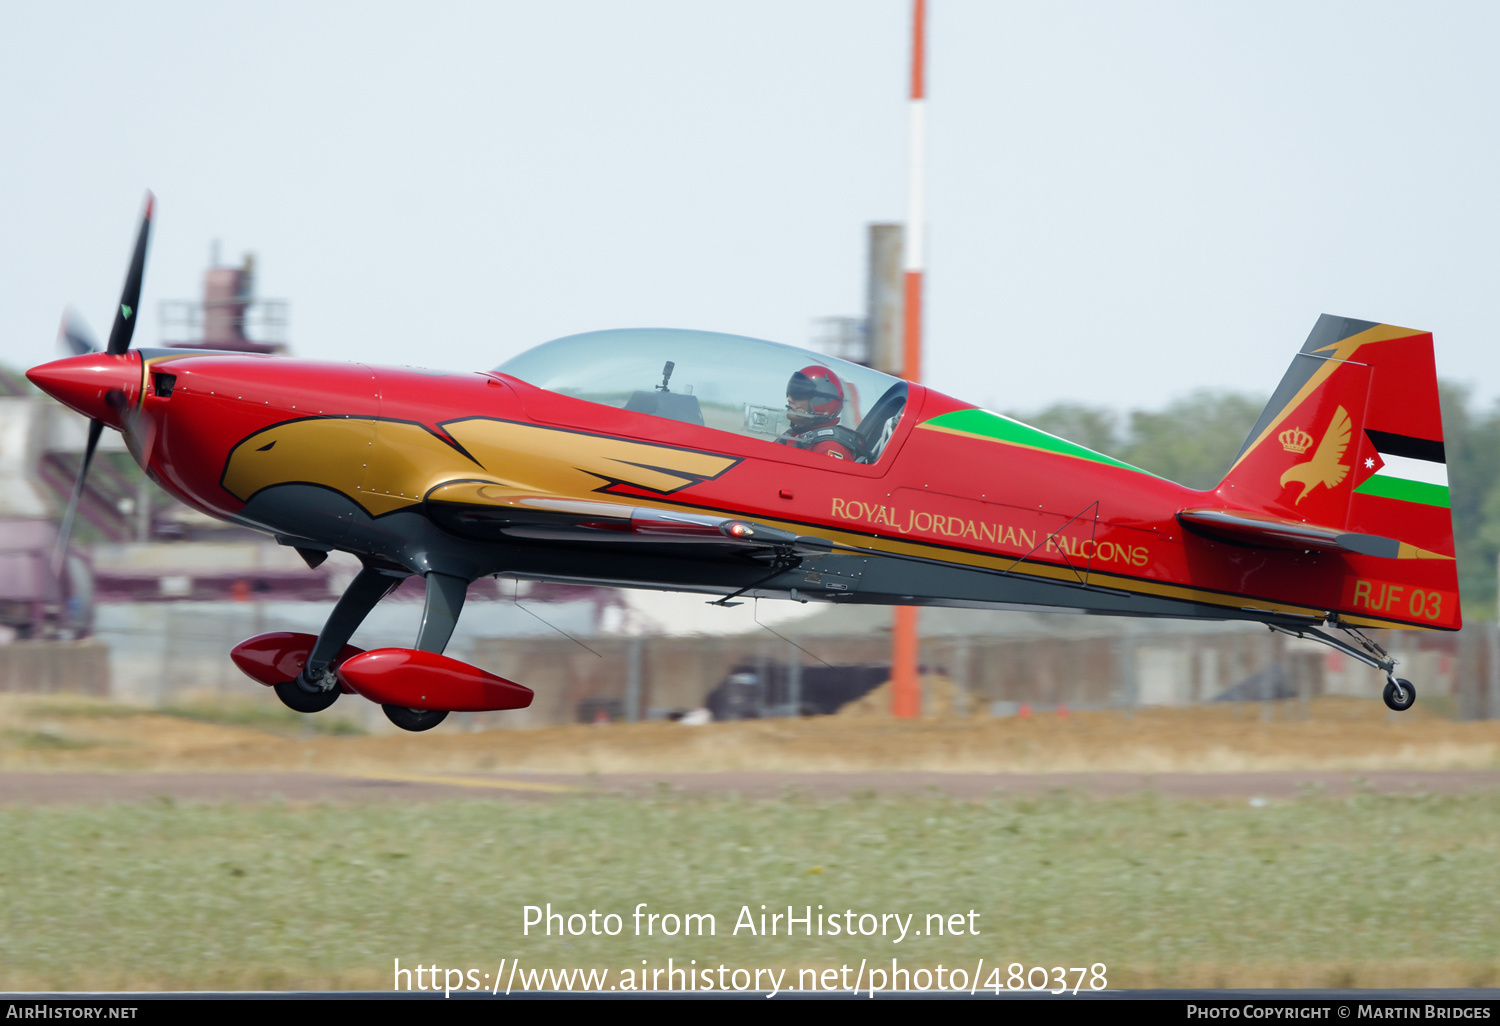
{"type": "Point", "coordinates": [906, 684]}
{"type": "Point", "coordinates": [916, 214]}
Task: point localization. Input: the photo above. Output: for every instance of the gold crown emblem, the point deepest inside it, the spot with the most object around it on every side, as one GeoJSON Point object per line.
{"type": "Point", "coordinates": [1295, 440]}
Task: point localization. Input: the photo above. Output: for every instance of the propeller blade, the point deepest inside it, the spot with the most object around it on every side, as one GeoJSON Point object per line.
{"type": "Point", "coordinates": [74, 335]}
{"type": "Point", "coordinates": [130, 297]}
{"type": "Point", "coordinates": [96, 428]}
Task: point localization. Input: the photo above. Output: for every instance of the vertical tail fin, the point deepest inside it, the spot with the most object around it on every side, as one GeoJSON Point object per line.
{"type": "Point", "coordinates": [1352, 440]}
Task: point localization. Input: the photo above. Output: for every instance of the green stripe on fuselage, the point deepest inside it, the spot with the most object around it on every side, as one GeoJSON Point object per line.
{"type": "Point", "coordinates": [1404, 490]}
{"type": "Point", "coordinates": [994, 426]}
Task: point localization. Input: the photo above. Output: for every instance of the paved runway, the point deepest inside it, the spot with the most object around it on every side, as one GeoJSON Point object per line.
{"type": "Point", "coordinates": [55, 788]}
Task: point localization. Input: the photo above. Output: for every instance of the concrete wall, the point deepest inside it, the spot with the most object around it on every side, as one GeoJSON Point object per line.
{"type": "Point", "coordinates": [55, 667]}
{"type": "Point", "coordinates": [158, 653]}
{"type": "Point", "coordinates": [1457, 674]}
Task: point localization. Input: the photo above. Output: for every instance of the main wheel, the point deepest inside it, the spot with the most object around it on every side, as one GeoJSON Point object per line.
{"type": "Point", "coordinates": [414, 719]}
{"type": "Point", "coordinates": [1403, 701]}
{"type": "Point", "coordinates": [295, 696]}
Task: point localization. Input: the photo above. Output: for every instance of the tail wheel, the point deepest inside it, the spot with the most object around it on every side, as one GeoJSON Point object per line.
{"type": "Point", "coordinates": [294, 696]}
{"type": "Point", "coordinates": [414, 719]}
{"type": "Point", "coordinates": [1399, 694]}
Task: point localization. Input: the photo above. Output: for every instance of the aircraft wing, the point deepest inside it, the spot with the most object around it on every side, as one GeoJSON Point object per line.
{"type": "Point", "coordinates": [548, 518]}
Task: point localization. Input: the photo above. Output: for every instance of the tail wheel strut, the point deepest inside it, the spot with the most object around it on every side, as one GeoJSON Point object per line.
{"type": "Point", "coordinates": [1399, 693]}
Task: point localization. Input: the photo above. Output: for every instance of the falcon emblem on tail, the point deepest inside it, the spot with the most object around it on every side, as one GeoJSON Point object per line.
{"type": "Point", "coordinates": [1324, 468]}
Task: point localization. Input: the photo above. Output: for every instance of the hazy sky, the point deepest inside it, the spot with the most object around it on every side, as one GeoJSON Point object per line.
{"type": "Point", "coordinates": [1127, 201]}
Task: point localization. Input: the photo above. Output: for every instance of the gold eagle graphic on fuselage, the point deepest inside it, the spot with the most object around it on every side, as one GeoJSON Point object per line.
{"type": "Point", "coordinates": [1324, 468]}
{"type": "Point", "coordinates": [389, 465]}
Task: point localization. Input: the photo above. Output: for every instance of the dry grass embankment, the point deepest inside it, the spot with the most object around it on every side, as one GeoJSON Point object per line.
{"type": "Point", "coordinates": [73, 734]}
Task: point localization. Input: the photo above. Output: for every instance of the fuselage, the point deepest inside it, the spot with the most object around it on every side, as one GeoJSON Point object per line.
{"type": "Point", "coordinates": [427, 471]}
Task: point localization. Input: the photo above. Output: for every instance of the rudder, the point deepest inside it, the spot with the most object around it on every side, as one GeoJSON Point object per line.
{"type": "Point", "coordinates": [1352, 440]}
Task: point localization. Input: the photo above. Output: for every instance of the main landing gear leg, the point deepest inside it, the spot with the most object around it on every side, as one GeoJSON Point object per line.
{"type": "Point", "coordinates": [316, 687]}
{"type": "Point", "coordinates": [445, 600]}
{"type": "Point", "coordinates": [1399, 693]}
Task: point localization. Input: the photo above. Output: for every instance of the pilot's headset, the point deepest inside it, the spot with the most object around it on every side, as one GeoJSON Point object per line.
{"type": "Point", "coordinates": [824, 394]}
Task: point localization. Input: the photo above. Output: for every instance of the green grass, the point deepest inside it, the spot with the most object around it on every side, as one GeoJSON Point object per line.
{"type": "Point", "coordinates": [276, 718]}
{"type": "Point", "coordinates": [40, 740]}
{"type": "Point", "coordinates": [82, 708]}
{"type": "Point", "coordinates": [1307, 892]}
{"type": "Point", "coordinates": [229, 712]}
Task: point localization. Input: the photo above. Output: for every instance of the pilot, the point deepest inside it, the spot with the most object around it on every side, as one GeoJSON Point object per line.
{"type": "Point", "coordinates": [814, 402]}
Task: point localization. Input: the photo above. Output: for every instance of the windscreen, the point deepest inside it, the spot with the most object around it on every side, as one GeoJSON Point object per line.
{"type": "Point", "coordinates": [726, 382]}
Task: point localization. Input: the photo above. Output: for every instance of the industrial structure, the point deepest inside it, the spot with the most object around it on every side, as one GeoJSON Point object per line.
{"type": "Point", "coordinates": [230, 317]}
{"type": "Point", "coordinates": [124, 517]}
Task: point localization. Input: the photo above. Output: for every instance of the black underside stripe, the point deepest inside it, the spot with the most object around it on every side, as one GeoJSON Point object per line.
{"type": "Point", "coordinates": [1405, 445]}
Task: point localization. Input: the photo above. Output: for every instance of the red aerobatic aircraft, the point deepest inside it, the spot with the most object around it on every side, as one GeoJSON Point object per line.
{"type": "Point", "coordinates": [729, 466]}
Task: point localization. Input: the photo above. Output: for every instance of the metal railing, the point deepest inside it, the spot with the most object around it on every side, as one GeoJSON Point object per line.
{"type": "Point", "coordinates": [263, 320]}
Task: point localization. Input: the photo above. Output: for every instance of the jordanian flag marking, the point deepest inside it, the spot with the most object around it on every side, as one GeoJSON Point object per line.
{"type": "Point", "coordinates": [1407, 469]}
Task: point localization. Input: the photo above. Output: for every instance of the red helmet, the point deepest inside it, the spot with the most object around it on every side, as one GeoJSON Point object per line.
{"type": "Point", "coordinates": [814, 397]}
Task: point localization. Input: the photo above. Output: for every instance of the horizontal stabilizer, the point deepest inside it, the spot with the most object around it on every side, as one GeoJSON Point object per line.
{"type": "Point", "coordinates": [1261, 530]}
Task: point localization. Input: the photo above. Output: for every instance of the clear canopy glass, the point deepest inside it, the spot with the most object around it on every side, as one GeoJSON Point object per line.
{"type": "Point", "coordinates": [726, 382]}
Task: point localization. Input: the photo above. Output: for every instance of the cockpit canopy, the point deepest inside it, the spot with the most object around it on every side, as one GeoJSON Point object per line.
{"type": "Point", "coordinates": [726, 382]}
